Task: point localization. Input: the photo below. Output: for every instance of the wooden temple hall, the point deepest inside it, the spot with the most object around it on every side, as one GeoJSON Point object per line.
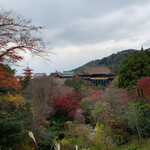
{"type": "Point", "coordinates": [97, 75]}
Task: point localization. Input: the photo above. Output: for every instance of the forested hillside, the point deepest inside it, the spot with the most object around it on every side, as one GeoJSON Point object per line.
{"type": "Point", "coordinates": [113, 61]}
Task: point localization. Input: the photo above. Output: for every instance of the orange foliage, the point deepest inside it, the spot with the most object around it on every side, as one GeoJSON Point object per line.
{"type": "Point", "coordinates": [8, 80]}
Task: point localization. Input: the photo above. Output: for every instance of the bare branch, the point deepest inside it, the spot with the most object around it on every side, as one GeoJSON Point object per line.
{"type": "Point", "coordinates": [18, 31]}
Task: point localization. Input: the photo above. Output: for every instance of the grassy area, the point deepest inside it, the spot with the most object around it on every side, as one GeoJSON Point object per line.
{"type": "Point", "coordinates": [135, 145]}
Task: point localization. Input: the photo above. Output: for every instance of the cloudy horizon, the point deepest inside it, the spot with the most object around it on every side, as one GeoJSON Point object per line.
{"type": "Point", "coordinates": [83, 30]}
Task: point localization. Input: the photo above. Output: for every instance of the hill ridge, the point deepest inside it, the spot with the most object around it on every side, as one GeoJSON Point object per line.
{"type": "Point", "coordinates": [112, 61]}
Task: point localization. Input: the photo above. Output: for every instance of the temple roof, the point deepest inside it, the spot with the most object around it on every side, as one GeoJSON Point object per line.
{"type": "Point", "coordinates": [68, 73]}
{"type": "Point", "coordinates": [39, 74]}
{"type": "Point", "coordinates": [97, 70]}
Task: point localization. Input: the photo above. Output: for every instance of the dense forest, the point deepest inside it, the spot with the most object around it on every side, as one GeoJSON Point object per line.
{"type": "Point", "coordinates": [47, 113]}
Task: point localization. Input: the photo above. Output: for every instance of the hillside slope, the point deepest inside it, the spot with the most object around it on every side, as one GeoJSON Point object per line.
{"type": "Point", "coordinates": [112, 62]}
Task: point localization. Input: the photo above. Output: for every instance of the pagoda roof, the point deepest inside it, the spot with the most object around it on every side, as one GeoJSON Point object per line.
{"type": "Point", "coordinates": [27, 73]}
{"type": "Point", "coordinates": [26, 69]}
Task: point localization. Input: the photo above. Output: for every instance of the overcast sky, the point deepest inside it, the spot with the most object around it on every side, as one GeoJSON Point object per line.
{"type": "Point", "coordinates": [83, 30]}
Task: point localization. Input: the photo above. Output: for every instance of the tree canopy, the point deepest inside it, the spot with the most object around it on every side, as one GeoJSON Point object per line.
{"type": "Point", "coordinates": [18, 34]}
{"type": "Point", "coordinates": [133, 68]}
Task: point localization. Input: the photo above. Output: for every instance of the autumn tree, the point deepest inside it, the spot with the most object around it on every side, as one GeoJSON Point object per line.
{"type": "Point", "coordinates": [40, 91]}
{"type": "Point", "coordinates": [66, 106]}
{"type": "Point", "coordinates": [143, 87]}
{"type": "Point", "coordinates": [18, 35]}
{"type": "Point", "coordinates": [133, 68]}
{"type": "Point", "coordinates": [7, 79]}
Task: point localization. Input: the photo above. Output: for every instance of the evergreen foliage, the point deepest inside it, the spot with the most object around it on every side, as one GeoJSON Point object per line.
{"type": "Point", "coordinates": [138, 117]}
{"type": "Point", "coordinates": [133, 68]}
{"type": "Point", "coordinates": [25, 82]}
{"type": "Point", "coordinates": [15, 119]}
{"type": "Point", "coordinates": [76, 83]}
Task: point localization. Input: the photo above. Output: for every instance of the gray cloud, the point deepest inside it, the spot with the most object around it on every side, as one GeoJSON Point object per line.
{"type": "Point", "coordinates": [69, 23]}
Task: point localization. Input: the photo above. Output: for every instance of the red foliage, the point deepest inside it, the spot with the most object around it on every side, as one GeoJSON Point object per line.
{"type": "Point", "coordinates": [95, 95]}
{"type": "Point", "coordinates": [67, 104]}
{"type": "Point", "coordinates": [78, 78]}
{"type": "Point", "coordinates": [144, 84]}
{"type": "Point", "coordinates": [119, 127]}
{"type": "Point", "coordinates": [8, 80]}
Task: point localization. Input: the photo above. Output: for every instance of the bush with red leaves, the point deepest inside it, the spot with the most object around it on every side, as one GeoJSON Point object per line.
{"type": "Point", "coordinates": [66, 105]}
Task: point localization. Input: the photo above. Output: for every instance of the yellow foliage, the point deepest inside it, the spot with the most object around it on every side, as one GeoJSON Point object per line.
{"type": "Point", "coordinates": [16, 100]}
{"type": "Point", "coordinates": [101, 108]}
{"type": "Point", "coordinates": [103, 137]}
{"type": "Point", "coordinates": [65, 142]}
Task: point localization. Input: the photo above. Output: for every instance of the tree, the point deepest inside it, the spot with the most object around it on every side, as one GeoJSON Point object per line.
{"type": "Point", "coordinates": [103, 137]}
{"type": "Point", "coordinates": [7, 79]}
{"type": "Point", "coordinates": [18, 34]}
{"type": "Point", "coordinates": [25, 82]}
{"type": "Point", "coordinates": [143, 87]}
{"type": "Point", "coordinates": [76, 82]}
{"type": "Point", "coordinates": [15, 121]}
{"type": "Point", "coordinates": [40, 92]}
{"type": "Point", "coordinates": [138, 118]}
{"type": "Point", "coordinates": [133, 68]}
{"type": "Point", "coordinates": [66, 106]}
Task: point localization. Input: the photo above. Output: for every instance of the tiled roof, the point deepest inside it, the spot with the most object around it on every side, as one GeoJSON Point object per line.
{"type": "Point", "coordinates": [68, 73]}
{"type": "Point", "coordinates": [39, 74]}
{"type": "Point", "coordinates": [97, 70]}
{"type": "Point", "coordinates": [27, 69]}
{"type": "Point", "coordinates": [55, 74]}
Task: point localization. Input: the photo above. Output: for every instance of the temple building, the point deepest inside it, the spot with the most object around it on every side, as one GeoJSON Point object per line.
{"type": "Point", "coordinates": [97, 75]}
{"type": "Point", "coordinates": [27, 71]}
{"type": "Point", "coordinates": [37, 75]}
{"type": "Point", "coordinates": [56, 74]}
{"type": "Point", "coordinates": [67, 74]}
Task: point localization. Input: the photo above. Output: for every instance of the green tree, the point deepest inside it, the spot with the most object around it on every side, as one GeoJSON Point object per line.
{"type": "Point", "coordinates": [133, 68]}
{"type": "Point", "coordinates": [7, 68]}
{"type": "Point", "coordinates": [138, 118]}
{"type": "Point", "coordinates": [87, 107]}
{"type": "Point", "coordinates": [76, 82]}
{"type": "Point", "coordinates": [103, 137]}
{"type": "Point", "coordinates": [25, 82]}
{"type": "Point", "coordinates": [15, 120]}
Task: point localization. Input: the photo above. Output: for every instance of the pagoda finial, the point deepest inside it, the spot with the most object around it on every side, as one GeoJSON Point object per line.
{"type": "Point", "coordinates": [27, 64]}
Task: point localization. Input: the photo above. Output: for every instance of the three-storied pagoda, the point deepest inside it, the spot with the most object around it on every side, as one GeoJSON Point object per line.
{"type": "Point", "coordinates": [27, 71]}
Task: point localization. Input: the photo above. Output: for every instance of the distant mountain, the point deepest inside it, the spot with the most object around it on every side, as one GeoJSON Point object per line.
{"type": "Point", "coordinates": [112, 62]}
